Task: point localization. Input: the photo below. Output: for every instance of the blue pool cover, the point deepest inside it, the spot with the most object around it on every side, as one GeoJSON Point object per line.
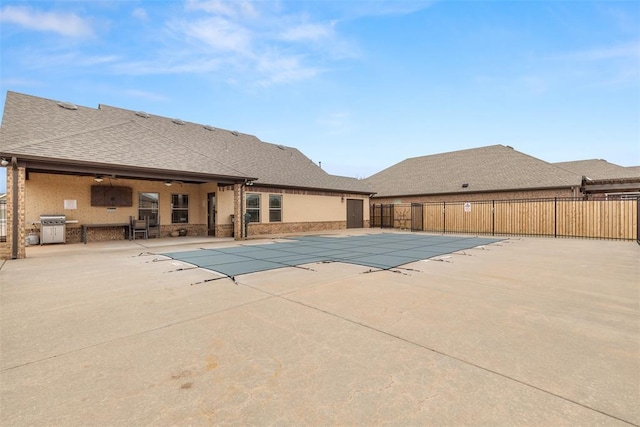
{"type": "Point", "coordinates": [381, 251]}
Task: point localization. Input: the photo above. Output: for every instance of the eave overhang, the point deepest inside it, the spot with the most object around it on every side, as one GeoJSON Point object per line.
{"type": "Point", "coordinates": [82, 168]}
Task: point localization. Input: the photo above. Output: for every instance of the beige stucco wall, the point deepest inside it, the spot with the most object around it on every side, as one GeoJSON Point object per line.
{"type": "Point", "coordinates": [46, 195]}
{"type": "Point", "coordinates": [310, 208]}
{"type": "Point", "coordinates": [224, 205]}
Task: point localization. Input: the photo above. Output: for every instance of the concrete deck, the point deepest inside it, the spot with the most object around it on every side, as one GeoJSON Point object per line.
{"type": "Point", "coordinates": [532, 331]}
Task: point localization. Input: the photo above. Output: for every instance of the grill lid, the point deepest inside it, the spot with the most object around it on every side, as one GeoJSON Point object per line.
{"type": "Point", "coordinates": [52, 219]}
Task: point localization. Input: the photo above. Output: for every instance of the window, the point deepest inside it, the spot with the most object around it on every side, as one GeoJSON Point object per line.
{"type": "Point", "coordinates": [253, 207]}
{"type": "Point", "coordinates": [148, 207]}
{"type": "Point", "coordinates": [179, 208]}
{"type": "Point", "coordinates": [275, 208]}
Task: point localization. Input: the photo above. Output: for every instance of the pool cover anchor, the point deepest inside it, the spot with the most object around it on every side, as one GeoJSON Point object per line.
{"type": "Point", "coordinates": [211, 280]}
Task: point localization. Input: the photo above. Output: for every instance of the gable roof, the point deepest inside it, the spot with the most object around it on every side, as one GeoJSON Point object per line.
{"type": "Point", "coordinates": [40, 129]}
{"type": "Point", "coordinates": [491, 168]}
{"type": "Point", "coordinates": [599, 169]}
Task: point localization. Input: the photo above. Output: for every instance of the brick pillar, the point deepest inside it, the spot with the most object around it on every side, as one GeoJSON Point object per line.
{"type": "Point", "coordinates": [16, 196]}
{"type": "Point", "coordinates": [237, 212]}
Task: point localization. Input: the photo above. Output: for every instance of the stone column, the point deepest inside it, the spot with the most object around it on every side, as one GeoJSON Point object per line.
{"type": "Point", "coordinates": [237, 211]}
{"type": "Point", "coordinates": [16, 234]}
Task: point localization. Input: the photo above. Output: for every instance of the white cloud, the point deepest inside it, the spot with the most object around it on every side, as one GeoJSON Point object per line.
{"type": "Point", "coordinates": [306, 32]}
{"type": "Point", "coordinates": [273, 49]}
{"type": "Point", "coordinates": [233, 9]}
{"type": "Point", "coordinates": [624, 50]}
{"type": "Point", "coordinates": [216, 32]}
{"type": "Point", "coordinates": [177, 64]}
{"type": "Point", "coordinates": [384, 7]}
{"type": "Point", "coordinates": [283, 69]}
{"type": "Point", "coordinates": [67, 24]}
{"type": "Point", "coordinates": [140, 13]}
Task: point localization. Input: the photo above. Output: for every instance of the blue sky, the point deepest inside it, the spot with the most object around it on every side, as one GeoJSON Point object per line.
{"type": "Point", "coordinates": [357, 85]}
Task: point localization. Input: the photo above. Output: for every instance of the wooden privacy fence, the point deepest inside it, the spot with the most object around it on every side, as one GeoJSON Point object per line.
{"type": "Point", "coordinates": [559, 217]}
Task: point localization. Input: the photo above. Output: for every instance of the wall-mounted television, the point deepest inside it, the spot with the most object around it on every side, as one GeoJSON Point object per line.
{"type": "Point", "coordinates": [110, 196]}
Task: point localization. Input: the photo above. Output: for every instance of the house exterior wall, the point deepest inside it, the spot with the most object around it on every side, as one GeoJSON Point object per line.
{"type": "Point", "coordinates": [301, 210]}
{"type": "Point", "coordinates": [304, 211]}
{"type": "Point", "coordinates": [475, 197]}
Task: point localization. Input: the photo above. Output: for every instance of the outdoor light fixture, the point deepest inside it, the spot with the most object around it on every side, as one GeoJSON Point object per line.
{"type": "Point", "coordinates": [98, 178]}
{"type": "Point", "coordinates": [167, 183]}
{"type": "Point", "coordinates": [4, 162]}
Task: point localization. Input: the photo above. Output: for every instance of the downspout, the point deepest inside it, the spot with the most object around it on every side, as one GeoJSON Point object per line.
{"type": "Point", "coordinates": [15, 201]}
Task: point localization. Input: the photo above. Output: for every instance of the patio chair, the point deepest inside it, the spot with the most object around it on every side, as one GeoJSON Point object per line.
{"type": "Point", "coordinates": [139, 227]}
{"type": "Point", "coordinates": [154, 227]}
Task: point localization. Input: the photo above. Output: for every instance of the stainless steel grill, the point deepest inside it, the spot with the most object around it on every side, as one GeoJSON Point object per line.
{"type": "Point", "coordinates": [53, 229]}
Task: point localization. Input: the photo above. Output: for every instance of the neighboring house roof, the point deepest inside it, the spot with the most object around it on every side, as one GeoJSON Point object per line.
{"type": "Point", "coordinates": [484, 169]}
{"type": "Point", "coordinates": [599, 169]}
{"type": "Point", "coordinates": [39, 128]}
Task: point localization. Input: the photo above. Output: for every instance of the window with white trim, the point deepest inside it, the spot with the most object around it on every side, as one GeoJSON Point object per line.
{"type": "Point", "coordinates": [275, 208]}
{"type": "Point", "coordinates": [253, 207]}
{"type": "Point", "coordinates": [148, 207]}
{"type": "Point", "coordinates": [179, 208]}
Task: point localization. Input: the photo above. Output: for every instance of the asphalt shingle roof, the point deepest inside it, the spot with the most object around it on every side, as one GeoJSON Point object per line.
{"type": "Point", "coordinates": [38, 127]}
{"type": "Point", "coordinates": [599, 169]}
{"type": "Point", "coordinates": [492, 168]}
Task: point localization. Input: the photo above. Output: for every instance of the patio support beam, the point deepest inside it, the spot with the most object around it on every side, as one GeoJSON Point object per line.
{"type": "Point", "coordinates": [16, 209]}
{"type": "Point", "coordinates": [237, 211]}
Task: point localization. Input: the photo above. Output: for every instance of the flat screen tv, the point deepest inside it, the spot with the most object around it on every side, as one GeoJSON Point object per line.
{"type": "Point", "coordinates": [110, 196]}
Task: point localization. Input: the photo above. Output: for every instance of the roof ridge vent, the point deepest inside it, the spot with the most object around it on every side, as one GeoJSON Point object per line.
{"type": "Point", "coordinates": [68, 105]}
{"type": "Point", "coordinates": [207, 127]}
{"type": "Point", "coordinates": [178, 121]}
{"type": "Point", "coordinates": [142, 114]}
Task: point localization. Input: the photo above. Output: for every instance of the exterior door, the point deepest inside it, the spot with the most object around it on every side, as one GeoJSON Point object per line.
{"type": "Point", "coordinates": [354, 213]}
{"type": "Point", "coordinates": [211, 214]}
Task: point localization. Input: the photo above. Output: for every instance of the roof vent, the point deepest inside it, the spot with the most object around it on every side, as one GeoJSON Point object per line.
{"type": "Point", "coordinates": [207, 127]}
{"type": "Point", "coordinates": [465, 185]}
{"type": "Point", "coordinates": [68, 105]}
{"type": "Point", "coordinates": [235, 132]}
{"type": "Point", "coordinates": [142, 114]}
{"type": "Point", "coordinates": [282, 147]}
{"type": "Point", "coordinates": [178, 121]}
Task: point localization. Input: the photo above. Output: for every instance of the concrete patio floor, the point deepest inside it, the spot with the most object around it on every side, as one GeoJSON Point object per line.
{"type": "Point", "coordinates": [530, 331]}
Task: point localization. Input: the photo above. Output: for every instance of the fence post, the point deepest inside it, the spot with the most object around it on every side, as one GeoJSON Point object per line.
{"type": "Point", "coordinates": [638, 220]}
{"type": "Point", "coordinates": [555, 217]}
{"type": "Point", "coordinates": [444, 217]}
{"type": "Point", "coordinates": [493, 217]}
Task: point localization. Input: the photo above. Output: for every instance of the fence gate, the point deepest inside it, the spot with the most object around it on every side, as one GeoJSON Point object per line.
{"type": "Point", "coordinates": [417, 222]}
